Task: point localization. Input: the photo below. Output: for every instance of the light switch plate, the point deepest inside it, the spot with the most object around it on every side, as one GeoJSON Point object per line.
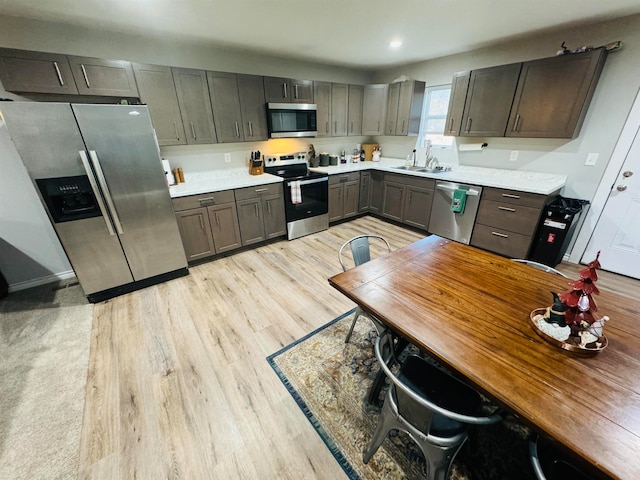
{"type": "Point", "coordinates": [227, 158]}
{"type": "Point", "coordinates": [514, 155]}
{"type": "Point", "coordinates": [592, 158]}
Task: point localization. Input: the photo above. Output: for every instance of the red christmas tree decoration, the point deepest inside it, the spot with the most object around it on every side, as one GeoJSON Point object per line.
{"type": "Point", "coordinates": [579, 301]}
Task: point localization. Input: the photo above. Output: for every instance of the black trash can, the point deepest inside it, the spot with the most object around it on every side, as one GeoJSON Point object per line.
{"type": "Point", "coordinates": [555, 230]}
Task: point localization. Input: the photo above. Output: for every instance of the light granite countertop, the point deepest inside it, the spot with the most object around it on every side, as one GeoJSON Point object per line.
{"type": "Point", "coordinates": [524, 181]}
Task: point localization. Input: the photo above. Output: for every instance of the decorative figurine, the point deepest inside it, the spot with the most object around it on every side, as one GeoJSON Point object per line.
{"type": "Point", "coordinates": [571, 320]}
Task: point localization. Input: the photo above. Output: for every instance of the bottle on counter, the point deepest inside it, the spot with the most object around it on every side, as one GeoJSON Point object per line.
{"type": "Point", "coordinates": [343, 157]}
{"type": "Point", "coordinates": [355, 156]}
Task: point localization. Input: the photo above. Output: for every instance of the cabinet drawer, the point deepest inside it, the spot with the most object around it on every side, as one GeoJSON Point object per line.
{"type": "Point", "coordinates": [258, 190]}
{"type": "Point", "coordinates": [203, 200]}
{"type": "Point", "coordinates": [533, 200]}
{"type": "Point", "coordinates": [503, 242]}
{"type": "Point", "coordinates": [344, 177]}
{"type": "Point", "coordinates": [508, 216]}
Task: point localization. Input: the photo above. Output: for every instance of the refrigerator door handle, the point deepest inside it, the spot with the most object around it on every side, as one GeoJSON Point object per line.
{"type": "Point", "coordinates": [96, 190]}
{"type": "Point", "coordinates": [105, 190]}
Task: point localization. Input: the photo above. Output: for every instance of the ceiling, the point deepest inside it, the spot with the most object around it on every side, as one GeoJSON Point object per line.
{"type": "Point", "coordinates": [353, 33]}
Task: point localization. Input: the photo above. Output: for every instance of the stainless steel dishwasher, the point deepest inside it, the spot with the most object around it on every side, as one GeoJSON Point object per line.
{"type": "Point", "coordinates": [446, 223]}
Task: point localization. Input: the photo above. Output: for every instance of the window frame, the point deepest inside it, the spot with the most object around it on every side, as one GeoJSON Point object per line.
{"type": "Point", "coordinates": [445, 141]}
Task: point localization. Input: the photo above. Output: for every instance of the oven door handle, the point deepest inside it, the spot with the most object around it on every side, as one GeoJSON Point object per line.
{"type": "Point", "coordinates": [309, 182]}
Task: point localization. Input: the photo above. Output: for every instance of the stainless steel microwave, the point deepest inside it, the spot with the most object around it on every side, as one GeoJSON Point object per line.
{"type": "Point", "coordinates": [287, 120]}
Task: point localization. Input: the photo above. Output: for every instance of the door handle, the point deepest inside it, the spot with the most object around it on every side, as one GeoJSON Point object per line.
{"type": "Point", "coordinates": [175, 127]}
{"type": "Point", "coordinates": [515, 125]}
{"type": "Point", "coordinates": [105, 190]}
{"type": "Point", "coordinates": [627, 174]}
{"type": "Point", "coordinates": [284, 87]}
{"type": "Point", "coordinates": [193, 131]}
{"type": "Point", "coordinates": [84, 74]}
{"type": "Point", "coordinates": [468, 125]}
{"type": "Point", "coordinates": [55, 65]}
{"type": "Point", "coordinates": [96, 191]}
{"type": "Point", "coordinates": [250, 130]}
{"type": "Point", "coordinates": [621, 188]}
{"type": "Point", "coordinates": [237, 130]}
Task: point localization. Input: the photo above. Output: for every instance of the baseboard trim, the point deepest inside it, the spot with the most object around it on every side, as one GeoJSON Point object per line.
{"type": "Point", "coordinates": [36, 282]}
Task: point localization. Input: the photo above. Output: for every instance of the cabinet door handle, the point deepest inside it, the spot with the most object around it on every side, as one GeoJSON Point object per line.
{"type": "Point", "coordinates": [269, 207]}
{"type": "Point", "coordinates": [351, 127]}
{"type": "Point", "coordinates": [193, 131]}
{"type": "Point", "coordinates": [55, 65]}
{"type": "Point", "coordinates": [255, 206]}
{"type": "Point", "coordinates": [507, 209]}
{"type": "Point", "coordinates": [250, 130]}
{"type": "Point", "coordinates": [284, 89]}
{"type": "Point", "coordinates": [206, 201]}
{"type": "Point", "coordinates": [175, 127]}
{"type": "Point", "coordinates": [335, 127]}
{"type": "Point", "coordinates": [515, 124]}
{"type": "Point", "coordinates": [237, 130]}
{"type": "Point", "coordinates": [201, 222]}
{"type": "Point", "coordinates": [510, 195]}
{"type": "Point", "coordinates": [326, 128]}
{"type": "Point", "coordinates": [84, 73]}
{"type": "Point", "coordinates": [451, 125]}
{"type": "Point", "coordinates": [501, 235]}
{"type": "Point", "coordinates": [403, 122]}
{"type": "Point", "coordinates": [378, 128]}
{"type": "Point", "coordinates": [296, 91]}
{"type": "Point", "coordinates": [217, 220]}
{"type": "Point", "coordinates": [468, 125]}
{"type": "Point", "coordinates": [260, 190]}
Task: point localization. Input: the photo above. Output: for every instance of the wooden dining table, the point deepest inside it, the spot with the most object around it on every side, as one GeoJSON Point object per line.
{"type": "Point", "coordinates": [470, 310]}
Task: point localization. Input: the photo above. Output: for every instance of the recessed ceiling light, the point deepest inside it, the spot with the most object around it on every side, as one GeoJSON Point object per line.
{"type": "Point", "coordinates": [395, 43]}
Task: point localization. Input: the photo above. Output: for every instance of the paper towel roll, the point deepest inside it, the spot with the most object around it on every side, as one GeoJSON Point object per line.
{"type": "Point", "coordinates": [470, 147]}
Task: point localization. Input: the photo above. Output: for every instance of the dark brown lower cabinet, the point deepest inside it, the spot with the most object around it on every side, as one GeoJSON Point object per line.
{"type": "Point", "coordinates": [261, 213]}
{"type": "Point", "coordinates": [506, 221]}
{"type": "Point", "coordinates": [364, 198]}
{"type": "Point", "coordinates": [343, 196]}
{"type": "Point", "coordinates": [208, 224]}
{"type": "Point", "coordinates": [407, 199]}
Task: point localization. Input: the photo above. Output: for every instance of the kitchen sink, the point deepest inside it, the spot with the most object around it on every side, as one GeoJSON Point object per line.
{"type": "Point", "coordinates": [423, 169]}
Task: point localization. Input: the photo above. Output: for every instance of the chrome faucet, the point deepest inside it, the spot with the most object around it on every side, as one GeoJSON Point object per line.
{"type": "Point", "coordinates": [432, 163]}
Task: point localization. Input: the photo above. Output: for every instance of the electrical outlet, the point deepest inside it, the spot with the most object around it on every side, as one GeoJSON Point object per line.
{"type": "Point", "coordinates": [514, 155]}
{"type": "Point", "coordinates": [592, 158]}
{"type": "Point", "coordinates": [227, 158]}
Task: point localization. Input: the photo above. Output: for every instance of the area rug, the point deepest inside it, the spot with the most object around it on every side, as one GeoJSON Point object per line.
{"type": "Point", "coordinates": [44, 354]}
{"type": "Point", "coordinates": [330, 380]}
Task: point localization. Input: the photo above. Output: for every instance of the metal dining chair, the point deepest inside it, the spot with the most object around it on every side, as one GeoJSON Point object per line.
{"type": "Point", "coordinates": [360, 247]}
{"type": "Point", "coordinates": [539, 266]}
{"type": "Point", "coordinates": [435, 409]}
{"type": "Point", "coordinates": [558, 468]}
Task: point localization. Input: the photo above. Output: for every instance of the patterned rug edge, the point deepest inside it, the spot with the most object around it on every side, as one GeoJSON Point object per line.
{"type": "Point", "coordinates": [326, 438]}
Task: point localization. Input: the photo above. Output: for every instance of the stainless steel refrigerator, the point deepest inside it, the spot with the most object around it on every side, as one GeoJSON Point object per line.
{"type": "Point", "coordinates": [98, 172]}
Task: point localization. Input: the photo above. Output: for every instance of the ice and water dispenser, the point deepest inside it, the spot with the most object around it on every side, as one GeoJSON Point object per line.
{"type": "Point", "coordinates": [68, 198]}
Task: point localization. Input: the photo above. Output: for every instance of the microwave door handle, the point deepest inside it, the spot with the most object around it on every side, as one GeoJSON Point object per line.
{"type": "Point", "coordinates": [96, 191]}
{"type": "Point", "coordinates": [105, 190]}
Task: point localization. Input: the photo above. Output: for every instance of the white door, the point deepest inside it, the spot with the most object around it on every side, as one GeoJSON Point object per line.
{"type": "Point", "coordinates": [617, 233]}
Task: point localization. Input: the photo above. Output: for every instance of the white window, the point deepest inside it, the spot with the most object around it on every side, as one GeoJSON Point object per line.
{"type": "Point", "coordinates": [434, 117]}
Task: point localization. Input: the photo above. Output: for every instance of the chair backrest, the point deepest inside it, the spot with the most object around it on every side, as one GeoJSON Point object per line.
{"type": "Point", "coordinates": [539, 266]}
{"type": "Point", "coordinates": [360, 249]}
{"type": "Point", "coordinates": [559, 468]}
{"type": "Point", "coordinates": [384, 350]}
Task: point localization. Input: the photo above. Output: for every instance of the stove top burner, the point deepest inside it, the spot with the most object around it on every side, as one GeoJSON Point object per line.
{"type": "Point", "coordinates": [289, 166]}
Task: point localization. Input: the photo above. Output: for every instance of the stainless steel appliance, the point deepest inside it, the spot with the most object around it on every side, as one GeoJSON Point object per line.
{"type": "Point", "coordinates": [447, 223]}
{"type": "Point", "coordinates": [286, 120]}
{"type": "Point", "coordinates": [306, 193]}
{"type": "Point", "coordinates": [98, 172]}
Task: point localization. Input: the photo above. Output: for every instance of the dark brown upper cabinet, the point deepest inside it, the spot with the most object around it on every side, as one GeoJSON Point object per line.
{"type": "Point", "coordinates": [96, 76]}
{"type": "Point", "coordinates": [287, 90]}
{"type": "Point", "coordinates": [158, 91]}
{"type": "Point", "coordinates": [459, 87]}
{"type": "Point", "coordinates": [488, 101]}
{"type": "Point", "coordinates": [35, 72]}
{"type": "Point", "coordinates": [553, 95]}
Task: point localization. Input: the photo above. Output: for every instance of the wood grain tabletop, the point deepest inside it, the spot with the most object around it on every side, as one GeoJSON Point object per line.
{"type": "Point", "coordinates": [470, 309]}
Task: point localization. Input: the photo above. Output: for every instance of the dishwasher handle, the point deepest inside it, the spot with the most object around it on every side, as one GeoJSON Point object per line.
{"type": "Point", "coordinates": [471, 192]}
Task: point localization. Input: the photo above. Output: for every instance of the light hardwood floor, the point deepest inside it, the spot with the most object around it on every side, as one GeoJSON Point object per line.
{"type": "Point", "coordinates": [178, 384]}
